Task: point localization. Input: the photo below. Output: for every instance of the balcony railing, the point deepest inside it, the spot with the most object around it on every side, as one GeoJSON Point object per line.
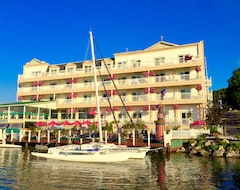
{"type": "Point", "coordinates": [88, 70]}
{"type": "Point", "coordinates": [139, 99]}
{"type": "Point", "coordinates": [89, 86]}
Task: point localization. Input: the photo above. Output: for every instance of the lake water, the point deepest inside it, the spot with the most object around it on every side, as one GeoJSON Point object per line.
{"type": "Point", "coordinates": [20, 170]}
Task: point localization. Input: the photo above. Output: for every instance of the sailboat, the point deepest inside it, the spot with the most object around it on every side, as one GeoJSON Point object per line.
{"type": "Point", "coordinates": [86, 152]}
{"type": "Point", "coordinates": [95, 151]}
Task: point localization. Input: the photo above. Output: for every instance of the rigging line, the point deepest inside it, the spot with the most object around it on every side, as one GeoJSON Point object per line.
{"type": "Point", "coordinates": [125, 108]}
{"type": "Point", "coordinates": [87, 50]}
{"type": "Point", "coordinates": [104, 86]}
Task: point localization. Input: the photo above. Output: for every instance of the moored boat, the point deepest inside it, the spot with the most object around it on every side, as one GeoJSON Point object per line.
{"type": "Point", "coordinates": [74, 153]}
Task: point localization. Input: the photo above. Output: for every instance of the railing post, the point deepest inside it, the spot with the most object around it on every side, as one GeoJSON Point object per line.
{"type": "Point", "coordinates": [29, 136]}
{"type": "Point", "coordinates": [106, 136]}
{"type": "Point", "coordinates": [81, 140]}
{"type": "Point", "coordinates": [149, 138]}
{"type": "Point", "coordinates": [39, 135]}
{"type": "Point", "coordinates": [11, 135]}
{"type": "Point", "coordinates": [133, 137]}
{"type": "Point", "coordinates": [48, 136]}
{"type": "Point", "coordinates": [69, 137]}
{"type": "Point", "coordinates": [59, 134]}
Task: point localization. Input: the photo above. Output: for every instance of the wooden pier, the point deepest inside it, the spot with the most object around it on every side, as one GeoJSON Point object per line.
{"type": "Point", "coordinates": [25, 142]}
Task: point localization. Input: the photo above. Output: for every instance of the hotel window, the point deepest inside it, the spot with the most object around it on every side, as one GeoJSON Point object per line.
{"type": "Point", "coordinates": [36, 73]}
{"type": "Point", "coordinates": [181, 58]}
{"type": "Point", "coordinates": [122, 64]}
{"type": "Point", "coordinates": [135, 79]}
{"type": "Point", "coordinates": [136, 63]}
{"type": "Point", "coordinates": [185, 117]}
{"type": "Point", "coordinates": [122, 117]}
{"type": "Point", "coordinates": [137, 115]}
{"type": "Point", "coordinates": [160, 77]}
{"type": "Point", "coordinates": [185, 94]}
{"type": "Point", "coordinates": [159, 61]}
{"type": "Point", "coordinates": [185, 75]}
{"type": "Point", "coordinates": [87, 83]}
{"type": "Point", "coordinates": [136, 96]}
{"type": "Point", "coordinates": [88, 69]}
{"type": "Point", "coordinates": [87, 97]}
{"type": "Point", "coordinates": [185, 58]}
{"type": "Point", "coordinates": [123, 96]}
{"type": "Point", "coordinates": [108, 65]}
{"type": "Point", "coordinates": [53, 85]}
{"type": "Point", "coordinates": [53, 72]}
{"type": "Point", "coordinates": [70, 70]}
{"type": "Point", "coordinates": [121, 80]}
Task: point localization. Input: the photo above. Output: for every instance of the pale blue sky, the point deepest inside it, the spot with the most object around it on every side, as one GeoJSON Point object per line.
{"type": "Point", "coordinates": [57, 31]}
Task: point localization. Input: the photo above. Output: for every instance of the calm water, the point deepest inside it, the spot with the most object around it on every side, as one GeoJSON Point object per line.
{"type": "Point", "coordinates": [19, 170]}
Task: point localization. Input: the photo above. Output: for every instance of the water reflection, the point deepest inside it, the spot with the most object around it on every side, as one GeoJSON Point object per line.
{"type": "Point", "coordinates": [19, 170]}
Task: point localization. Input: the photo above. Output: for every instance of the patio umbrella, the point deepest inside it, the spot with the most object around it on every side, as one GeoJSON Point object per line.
{"type": "Point", "coordinates": [40, 123]}
{"type": "Point", "coordinates": [88, 123]}
{"type": "Point", "coordinates": [52, 123]}
{"type": "Point", "coordinates": [65, 123]}
{"type": "Point", "coordinates": [77, 123]}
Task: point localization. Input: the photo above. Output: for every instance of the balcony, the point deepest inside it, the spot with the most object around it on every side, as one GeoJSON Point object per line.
{"type": "Point", "coordinates": [169, 63]}
{"type": "Point", "coordinates": [131, 100]}
{"type": "Point", "coordinates": [156, 81]}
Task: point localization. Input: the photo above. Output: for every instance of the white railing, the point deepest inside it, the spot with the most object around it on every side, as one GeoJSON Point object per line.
{"type": "Point", "coordinates": [90, 85]}
{"type": "Point", "coordinates": [88, 70]}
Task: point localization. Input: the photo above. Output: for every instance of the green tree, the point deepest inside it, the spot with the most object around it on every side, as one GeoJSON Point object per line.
{"type": "Point", "coordinates": [233, 90]}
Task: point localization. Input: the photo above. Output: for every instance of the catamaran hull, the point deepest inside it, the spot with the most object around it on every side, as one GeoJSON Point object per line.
{"type": "Point", "coordinates": [10, 146]}
{"type": "Point", "coordinates": [85, 157]}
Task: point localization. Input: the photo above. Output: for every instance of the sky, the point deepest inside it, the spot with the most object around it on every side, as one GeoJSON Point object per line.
{"type": "Point", "coordinates": [57, 31]}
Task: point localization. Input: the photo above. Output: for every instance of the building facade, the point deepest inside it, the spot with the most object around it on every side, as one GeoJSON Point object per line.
{"type": "Point", "coordinates": [165, 73]}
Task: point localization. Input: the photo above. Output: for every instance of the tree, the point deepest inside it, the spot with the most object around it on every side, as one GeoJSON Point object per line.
{"type": "Point", "coordinates": [233, 90]}
{"type": "Point", "coordinates": [214, 114]}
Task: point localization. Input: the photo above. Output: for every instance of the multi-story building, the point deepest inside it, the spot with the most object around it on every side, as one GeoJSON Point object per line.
{"type": "Point", "coordinates": [165, 73]}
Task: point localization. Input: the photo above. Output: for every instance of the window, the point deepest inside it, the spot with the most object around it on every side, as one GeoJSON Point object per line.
{"type": "Point", "coordinates": [88, 69]}
{"type": "Point", "coordinates": [136, 63]}
{"type": "Point", "coordinates": [184, 58]}
{"type": "Point", "coordinates": [159, 61]}
{"type": "Point", "coordinates": [108, 65]}
{"type": "Point", "coordinates": [122, 81]}
{"type": "Point", "coordinates": [87, 97]}
{"type": "Point", "coordinates": [87, 83]}
{"type": "Point", "coordinates": [122, 64]}
{"type": "Point", "coordinates": [123, 96]}
{"type": "Point", "coordinates": [137, 115]}
{"type": "Point", "coordinates": [185, 75]}
{"type": "Point", "coordinates": [160, 77]}
{"type": "Point", "coordinates": [136, 96]}
{"type": "Point", "coordinates": [122, 117]}
{"type": "Point", "coordinates": [136, 77]}
{"type": "Point", "coordinates": [53, 71]}
{"type": "Point", "coordinates": [181, 59]}
{"type": "Point", "coordinates": [70, 70]}
{"type": "Point", "coordinates": [36, 73]}
{"type": "Point", "coordinates": [185, 117]}
{"type": "Point", "coordinates": [185, 94]}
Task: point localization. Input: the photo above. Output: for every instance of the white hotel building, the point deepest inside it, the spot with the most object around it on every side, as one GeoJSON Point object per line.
{"type": "Point", "coordinates": [164, 73]}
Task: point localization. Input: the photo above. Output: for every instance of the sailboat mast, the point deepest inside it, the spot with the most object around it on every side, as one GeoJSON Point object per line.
{"type": "Point", "coordinates": [96, 88]}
